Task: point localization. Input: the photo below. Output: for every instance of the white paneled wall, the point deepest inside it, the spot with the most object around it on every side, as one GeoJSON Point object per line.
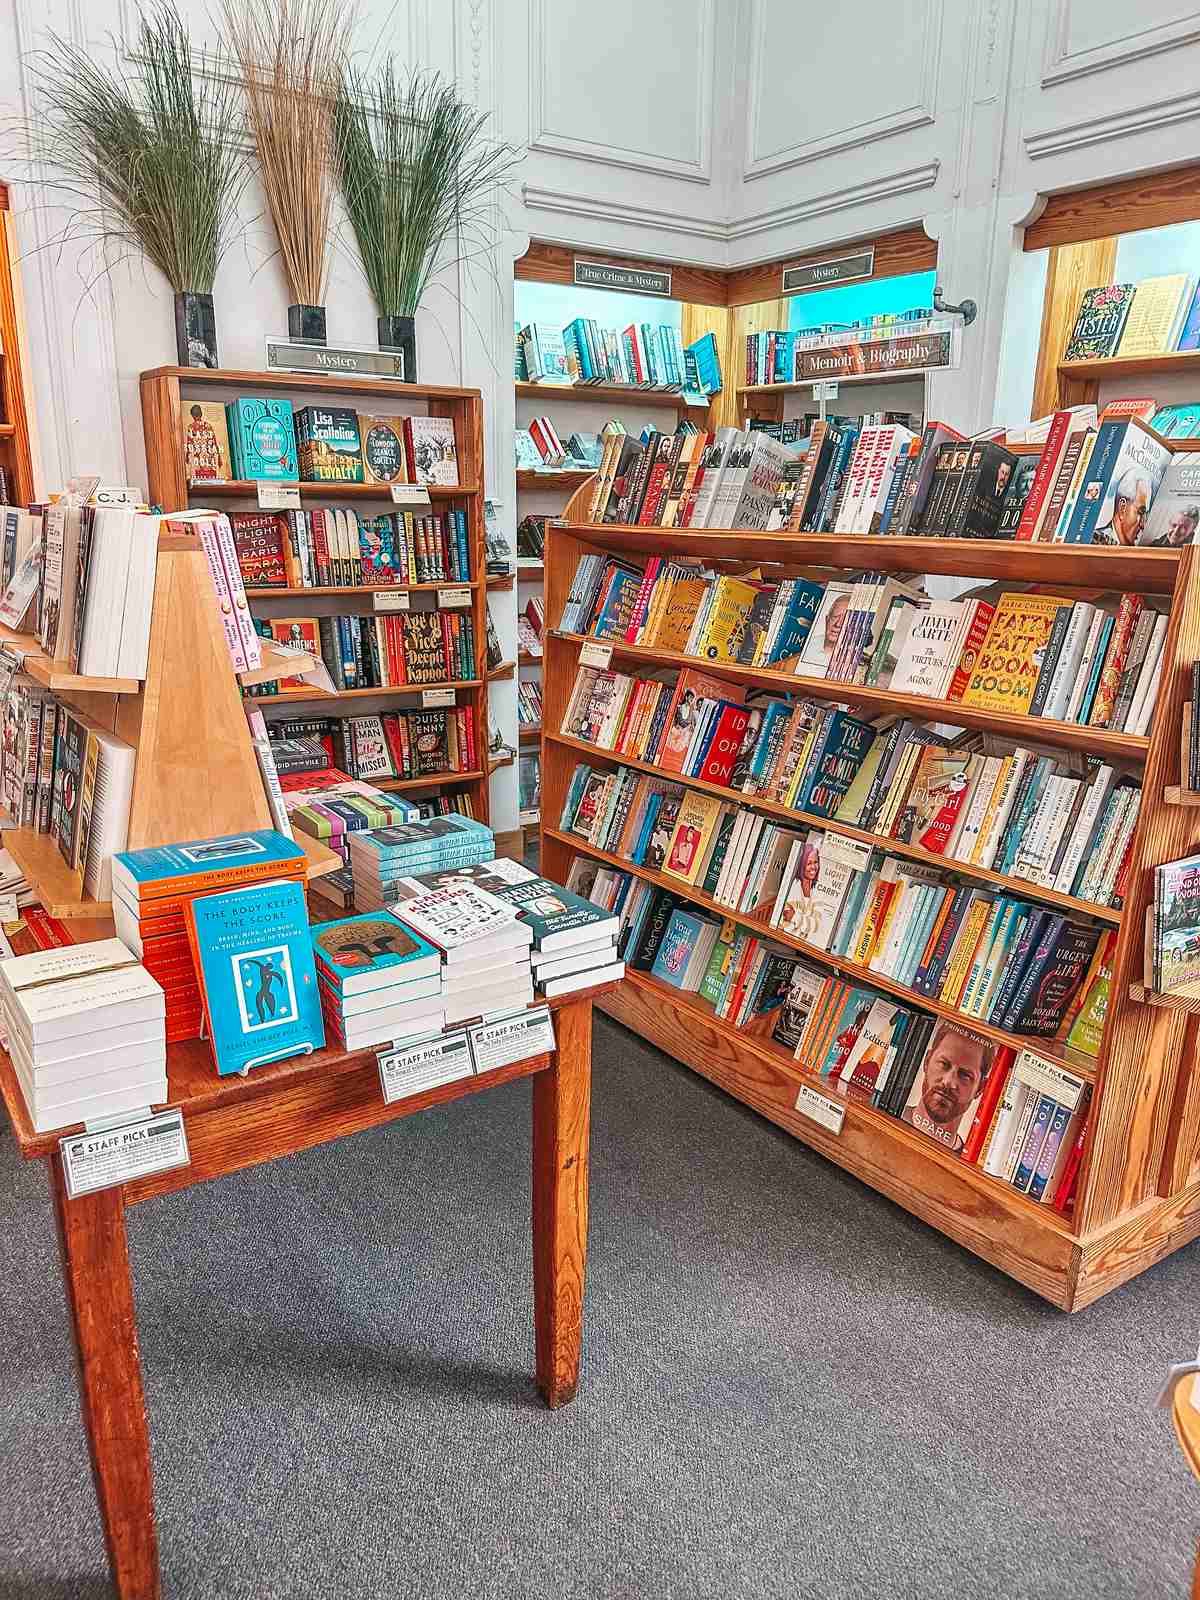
{"type": "Point", "coordinates": [719, 132]}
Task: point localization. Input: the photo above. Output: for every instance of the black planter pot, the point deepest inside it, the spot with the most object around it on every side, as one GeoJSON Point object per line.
{"type": "Point", "coordinates": [306, 324]}
{"type": "Point", "coordinates": [195, 330]}
{"type": "Point", "coordinates": [399, 334]}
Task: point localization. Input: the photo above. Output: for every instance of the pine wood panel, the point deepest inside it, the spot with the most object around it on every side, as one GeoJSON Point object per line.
{"type": "Point", "coordinates": [906, 250]}
{"type": "Point", "coordinates": [555, 263]}
{"type": "Point", "coordinates": [1111, 1256]}
{"type": "Point", "coordinates": [1140, 1052]}
{"type": "Point", "coordinates": [1151, 200]}
{"type": "Point", "coordinates": [762, 316]}
{"type": "Point", "coordinates": [569, 478]}
{"type": "Point", "coordinates": [592, 755]}
{"type": "Point", "coordinates": [95, 1263]}
{"type": "Point", "coordinates": [561, 1121]}
{"type": "Point", "coordinates": [1183, 1128]}
{"type": "Point", "coordinates": [1073, 269]}
{"type": "Point", "coordinates": [1031, 1243]}
{"type": "Point", "coordinates": [1070, 735]}
{"type": "Point", "coordinates": [1101, 566]}
{"type": "Point", "coordinates": [696, 322]}
{"type": "Point", "coordinates": [15, 450]}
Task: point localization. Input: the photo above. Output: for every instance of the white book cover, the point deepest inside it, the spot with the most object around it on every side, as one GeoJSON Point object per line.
{"type": "Point", "coordinates": [592, 980]}
{"type": "Point", "coordinates": [1098, 791]}
{"type": "Point", "coordinates": [1008, 1115]}
{"type": "Point", "coordinates": [825, 632]}
{"type": "Point", "coordinates": [1137, 718]}
{"type": "Point", "coordinates": [928, 651]}
{"type": "Point", "coordinates": [108, 824]}
{"type": "Point", "coordinates": [1066, 669]}
{"type": "Point", "coordinates": [585, 960]}
{"type": "Point", "coordinates": [483, 1002]}
{"type": "Point", "coordinates": [105, 580]}
{"type": "Point", "coordinates": [856, 479]}
{"type": "Point", "coordinates": [981, 797]}
{"type": "Point", "coordinates": [990, 840]}
{"type": "Point", "coordinates": [457, 915]}
{"type": "Point", "coordinates": [1086, 662]}
{"type": "Point", "coordinates": [1031, 853]}
{"type": "Point", "coordinates": [151, 1092]}
{"type": "Point", "coordinates": [83, 1005]}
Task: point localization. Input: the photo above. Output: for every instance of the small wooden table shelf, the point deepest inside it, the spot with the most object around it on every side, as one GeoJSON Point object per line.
{"type": "Point", "coordinates": [233, 1123]}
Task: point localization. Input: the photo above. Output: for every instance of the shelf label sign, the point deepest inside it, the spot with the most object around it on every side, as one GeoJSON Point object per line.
{"type": "Point", "coordinates": [278, 496]}
{"type": "Point", "coordinates": [593, 654]}
{"type": "Point", "coordinates": [413, 495]}
{"type": "Point", "coordinates": [864, 358]}
{"type": "Point", "coordinates": [436, 697]}
{"type": "Point", "coordinates": [412, 1068]}
{"type": "Point", "coordinates": [819, 1108]}
{"type": "Point", "coordinates": [286, 355]}
{"type": "Point", "coordinates": [504, 1040]}
{"type": "Point", "coordinates": [628, 280]}
{"type": "Point", "coordinates": [390, 600]}
{"type": "Point", "coordinates": [827, 390]}
{"type": "Point", "coordinates": [134, 1146]}
{"type": "Point", "coordinates": [837, 269]}
{"type": "Point", "coordinates": [453, 599]}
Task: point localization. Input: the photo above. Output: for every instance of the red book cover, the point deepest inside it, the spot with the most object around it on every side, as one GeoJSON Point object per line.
{"type": "Point", "coordinates": [391, 733]}
{"type": "Point", "coordinates": [641, 604]}
{"type": "Point", "coordinates": [447, 646]}
{"type": "Point", "coordinates": [47, 931]}
{"type": "Point", "coordinates": [726, 743]}
{"type": "Point", "coordinates": [656, 484]}
{"type": "Point", "coordinates": [1121, 886]}
{"type": "Point", "coordinates": [317, 523]}
{"type": "Point", "coordinates": [936, 836]}
{"type": "Point", "coordinates": [473, 754]}
{"type": "Point", "coordinates": [988, 1102]}
{"type": "Point", "coordinates": [1043, 479]}
{"type": "Point", "coordinates": [1130, 610]}
{"type": "Point", "coordinates": [739, 983]}
{"type": "Point", "coordinates": [976, 634]}
{"type": "Point", "coordinates": [293, 782]}
{"type": "Point", "coordinates": [1064, 1195]}
{"type": "Point", "coordinates": [629, 714]}
{"type": "Point", "coordinates": [260, 537]}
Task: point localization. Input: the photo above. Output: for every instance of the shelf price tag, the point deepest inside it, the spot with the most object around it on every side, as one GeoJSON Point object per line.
{"type": "Point", "coordinates": [413, 495]}
{"type": "Point", "coordinates": [413, 1068]}
{"type": "Point", "coordinates": [513, 1038]}
{"type": "Point", "coordinates": [825, 390]}
{"type": "Point", "coordinates": [8, 908]}
{"type": "Point", "coordinates": [453, 599]}
{"type": "Point", "coordinates": [594, 654]}
{"type": "Point", "coordinates": [390, 600]}
{"type": "Point", "coordinates": [278, 496]}
{"type": "Point", "coordinates": [133, 1146]}
{"type": "Point", "coordinates": [436, 697]}
{"type": "Point", "coordinates": [819, 1108]}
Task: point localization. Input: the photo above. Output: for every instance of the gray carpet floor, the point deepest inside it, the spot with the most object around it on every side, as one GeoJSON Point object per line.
{"type": "Point", "coordinates": [790, 1387]}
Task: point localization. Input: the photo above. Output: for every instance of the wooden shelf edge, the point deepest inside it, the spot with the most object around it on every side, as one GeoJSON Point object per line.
{"type": "Point", "coordinates": [504, 670]}
{"type": "Point", "coordinates": [1175, 795]}
{"type": "Point", "coordinates": [295, 696]}
{"type": "Point", "coordinates": [602, 391]}
{"type": "Point", "coordinates": [228, 377]}
{"type": "Point", "coordinates": [525, 659]}
{"type": "Point", "coordinates": [247, 488]}
{"type": "Point", "coordinates": [57, 675]}
{"type": "Point", "coordinates": [803, 819]}
{"type": "Point", "coordinates": [557, 478]}
{"type": "Point", "coordinates": [435, 780]}
{"type": "Point", "coordinates": [1083, 1066]}
{"type": "Point", "coordinates": [359, 589]}
{"type": "Point", "coordinates": [59, 890]}
{"type": "Point", "coordinates": [1073, 736]}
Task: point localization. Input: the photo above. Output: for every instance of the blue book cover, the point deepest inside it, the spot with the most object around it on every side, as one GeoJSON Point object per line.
{"type": "Point", "coordinates": [1093, 683]}
{"type": "Point", "coordinates": [410, 839]}
{"type": "Point", "coordinates": [646, 832]}
{"type": "Point", "coordinates": [847, 744]}
{"type": "Point", "coordinates": [203, 863]}
{"type": "Point", "coordinates": [262, 439]}
{"type": "Point", "coordinates": [616, 606]}
{"type": "Point", "coordinates": [352, 951]}
{"type": "Point", "coordinates": [259, 980]}
{"type": "Point", "coordinates": [1189, 339]}
{"type": "Point", "coordinates": [793, 630]}
{"type": "Point", "coordinates": [708, 363]}
{"type": "Point", "coordinates": [1036, 1137]}
{"type": "Point", "coordinates": [776, 711]}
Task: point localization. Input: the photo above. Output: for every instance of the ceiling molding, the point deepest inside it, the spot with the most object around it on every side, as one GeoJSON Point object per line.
{"type": "Point", "coordinates": [1148, 118]}
{"type": "Point", "coordinates": [910, 180]}
{"type": "Point", "coordinates": [920, 113]}
{"type": "Point", "coordinates": [556, 142]}
{"type": "Point", "coordinates": [1061, 65]}
{"type": "Point", "coordinates": [617, 211]}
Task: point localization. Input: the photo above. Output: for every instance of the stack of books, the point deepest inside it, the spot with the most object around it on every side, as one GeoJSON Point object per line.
{"type": "Point", "coordinates": [574, 941]}
{"type": "Point", "coordinates": [152, 889]}
{"type": "Point", "coordinates": [382, 858]}
{"type": "Point", "coordinates": [380, 982]}
{"type": "Point", "coordinates": [483, 943]}
{"type": "Point", "coordinates": [85, 1032]}
{"type": "Point", "coordinates": [338, 547]}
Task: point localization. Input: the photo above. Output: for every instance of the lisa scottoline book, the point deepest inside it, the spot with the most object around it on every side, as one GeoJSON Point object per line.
{"type": "Point", "coordinates": [254, 957]}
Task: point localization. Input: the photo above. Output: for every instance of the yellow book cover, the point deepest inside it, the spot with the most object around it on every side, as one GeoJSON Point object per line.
{"type": "Point", "coordinates": [679, 614]}
{"type": "Point", "coordinates": [635, 744]}
{"type": "Point", "coordinates": [698, 817]}
{"type": "Point", "coordinates": [1152, 324]}
{"type": "Point", "coordinates": [722, 636]}
{"type": "Point", "coordinates": [898, 790]}
{"type": "Point", "coordinates": [964, 951]}
{"type": "Point", "coordinates": [989, 816]}
{"type": "Point", "coordinates": [868, 933]}
{"type": "Point", "coordinates": [659, 595]}
{"type": "Point", "coordinates": [1010, 658]}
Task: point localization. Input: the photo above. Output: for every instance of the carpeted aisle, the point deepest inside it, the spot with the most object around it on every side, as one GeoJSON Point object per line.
{"type": "Point", "coordinates": [791, 1389]}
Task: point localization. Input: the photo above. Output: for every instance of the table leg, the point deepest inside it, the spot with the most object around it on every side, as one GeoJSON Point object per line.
{"type": "Point", "coordinates": [100, 1292]}
{"type": "Point", "coordinates": [561, 1107]}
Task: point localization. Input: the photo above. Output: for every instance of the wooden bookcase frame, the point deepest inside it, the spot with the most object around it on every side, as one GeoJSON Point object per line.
{"type": "Point", "coordinates": [1139, 1189]}
{"type": "Point", "coordinates": [165, 390]}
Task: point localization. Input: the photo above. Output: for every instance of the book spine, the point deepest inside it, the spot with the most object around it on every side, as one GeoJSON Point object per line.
{"type": "Point", "coordinates": [1043, 478]}
{"type": "Point", "coordinates": [206, 529]}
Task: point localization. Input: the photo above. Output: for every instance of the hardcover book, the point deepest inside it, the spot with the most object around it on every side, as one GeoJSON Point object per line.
{"type": "Point", "coordinates": [260, 539]}
{"type": "Point", "coordinates": [431, 453]}
{"type": "Point", "coordinates": [952, 1076]}
{"type": "Point", "coordinates": [254, 959]}
{"type": "Point", "coordinates": [1175, 510]}
{"type": "Point", "coordinates": [262, 439]}
{"type": "Point", "coordinates": [1100, 322]}
{"type": "Point", "coordinates": [379, 549]}
{"type": "Point", "coordinates": [1010, 658]}
{"type": "Point", "coordinates": [206, 443]}
{"type": "Point", "coordinates": [329, 445]}
{"type": "Point", "coordinates": [383, 455]}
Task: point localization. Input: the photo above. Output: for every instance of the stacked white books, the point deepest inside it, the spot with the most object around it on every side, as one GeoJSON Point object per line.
{"type": "Point", "coordinates": [86, 1032]}
{"type": "Point", "coordinates": [380, 981]}
{"type": "Point", "coordinates": [484, 944]}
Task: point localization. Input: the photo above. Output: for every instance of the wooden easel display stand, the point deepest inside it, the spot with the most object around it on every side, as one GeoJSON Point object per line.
{"type": "Point", "coordinates": [1138, 1196]}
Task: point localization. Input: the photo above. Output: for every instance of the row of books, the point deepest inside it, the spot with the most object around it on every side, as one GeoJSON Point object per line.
{"type": "Point", "coordinates": [531, 538]}
{"type": "Point", "coordinates": [395, 745]}
{"type": "Point", "coordinates": [539, 446]}
{"type": "Point", "coordinates": [1148, 318]}
{"type": "Point", "coordinates": [64, 775]}
{"type": "Point", "coordinates": [771, 353]}
{"type": "Point", "coordinates": [252, 438]}
{"type": "Point", "coordinates": [336, 547]}
{"type": "Point", "coordinates": [1096, 663]}
{"type": "Point", "coordinates": [689, 479]}
{"type": "Point", "coordinates": [529, 703]}
{"type": "Point", "coordinates": [1015, 1114]}
{"type": "Point", "coordinates": [531, 625]}
{"type": "Point", "coordinates": [529, 782]}
{"type": "Point", "coordinates": [642, 356]}
{"type": "Point", "coordinates": [399, 649]}
{"type": "Point", "coordinates": [1055, 819]}
{"type": "Point", "coordinates": [990, 955]}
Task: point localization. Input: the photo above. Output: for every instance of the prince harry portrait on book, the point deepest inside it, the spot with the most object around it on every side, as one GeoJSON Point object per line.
{"type": "Point", "coordinates": [946, 1090]}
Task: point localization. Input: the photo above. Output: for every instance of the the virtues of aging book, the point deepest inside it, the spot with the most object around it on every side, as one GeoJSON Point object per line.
{"type": "Point", "coordinates": [254, 959]}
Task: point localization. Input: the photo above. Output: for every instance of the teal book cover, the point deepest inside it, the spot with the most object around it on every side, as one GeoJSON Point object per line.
{"type": "Point", "coordinates": [204, 863]}
{"type": "Point", "coordinates": [255, 956]}
{"type": "Point", "coordinates": [377, 942]}
{"type": "Point", "coordinates": [675, 951]}
{"type": "Point", "coordinates": [262, 438]}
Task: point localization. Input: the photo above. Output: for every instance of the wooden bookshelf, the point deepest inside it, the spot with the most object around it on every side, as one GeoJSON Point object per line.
{"type": "Point", "coordinates": [530, 733]}
{"type": "Point", "coordinates": [165, 392]}
{"type": "Point", "coordinates": [604, 391]}
{"type": "Point", "coordinates": [357, 590]}
{"type": "Point", "coordinates": [1139, 1188]}
{"type": "Point", "coordinates": [290, 696]}
{"type": "Point", "coordinates": [531, 571]}
{"type": "Point", "coordinates": [499, 580]}
{"type": "Point", "coordinates": [431, 781]}
{"type": "Point", "coordinates": [504, 670]}
{"type": "Point", "coordinates": [552, 478]}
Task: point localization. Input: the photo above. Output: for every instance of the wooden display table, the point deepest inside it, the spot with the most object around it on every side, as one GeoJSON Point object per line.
{"type": "Point", "coordinates": [278, 1110]}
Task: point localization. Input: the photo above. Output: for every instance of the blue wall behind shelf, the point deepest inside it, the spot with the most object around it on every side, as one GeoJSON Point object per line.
{"type": "Point", "coordinates": [851, 302]}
